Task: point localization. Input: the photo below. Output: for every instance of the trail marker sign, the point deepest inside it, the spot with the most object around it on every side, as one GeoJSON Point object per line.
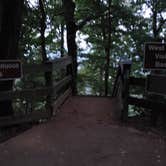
{"type": "Point", "coordinates": [155, 56]}
{"type": "Point", "coordinates": [10, 69]}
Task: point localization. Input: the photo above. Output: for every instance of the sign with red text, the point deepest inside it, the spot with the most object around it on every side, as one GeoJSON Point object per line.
{"type": "Point", "coordinates": [155, 56]}
{"type": "Point", "coordinates": [10, 69]}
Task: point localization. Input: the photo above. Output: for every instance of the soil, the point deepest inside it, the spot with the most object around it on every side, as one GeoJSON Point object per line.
{"type": "Point", "coordinates": [85, 132]}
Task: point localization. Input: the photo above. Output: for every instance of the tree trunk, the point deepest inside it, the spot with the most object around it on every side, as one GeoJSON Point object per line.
{"type": "Point", "coordinates": [154, 21]}
{"type": "Point", "coordinates": [43, 40]}
{"type": "Point", "coordinates": [42, 31]}
{"type": "Point", "coordinates": [69, 8]}
{"type": "Point", "coordinates": [47, 75]}
{"type": "Point", "coordinates": [62, 40]}
{"type": "Point", "coordinates": [107, 49]}
{"type": "Point", "coordinates": [157, 23]}
{"type": "Point", "coordinates": [10, 23]}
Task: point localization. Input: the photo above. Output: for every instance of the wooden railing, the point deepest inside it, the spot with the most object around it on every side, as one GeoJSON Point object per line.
{"type": "Point", "coordinates": [50, 95]}
{"type": "Point", "coordinates": [124, 84]}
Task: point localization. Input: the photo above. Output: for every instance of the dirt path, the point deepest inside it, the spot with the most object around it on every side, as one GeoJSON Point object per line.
{"type": "Point", "coordinates": [84, 134]}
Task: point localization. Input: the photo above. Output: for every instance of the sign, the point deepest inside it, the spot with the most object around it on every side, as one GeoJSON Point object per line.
{"type": "Point", "coordinates": [10, 69]}
{"type": "Point", "coordinates": [155, 56]}
{"type": "Point", "coordinates": [156, 84]}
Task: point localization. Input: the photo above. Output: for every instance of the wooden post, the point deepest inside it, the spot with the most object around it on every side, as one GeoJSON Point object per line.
{"type": "Point", "coordinates": [49, 84]}
{"type": "Point", "coordinates": [125, 90]}
{"type": "Point", "coordinates": [69, 72]}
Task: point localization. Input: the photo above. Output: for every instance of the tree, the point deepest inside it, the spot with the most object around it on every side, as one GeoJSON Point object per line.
{"type": "Point", "coordinates": [129, 31]}
{"type": "Point", "coordinates": [42, 29]}
{"type": "Point", "coordinates": [72, 27]}
{"type": "Point", "coordinates": [113, 30]}
{"type": "Point", "coordinates": [157, 7]}
{"type": "Point", "coordinates": [11, 12]}
{"type": "Point", "coordinates": [108, 47]}
{"type": "Point", "coordinates": [69, 9]}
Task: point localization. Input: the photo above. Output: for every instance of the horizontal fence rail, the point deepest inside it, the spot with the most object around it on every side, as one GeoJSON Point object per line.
{"type": "Point", "coordinates": [137, 81]}
{"type": "Point", "coordinates": [147, 103]}
{"type": "Point", "coordinates": [58, 85]}
{"type": "Point", "coordinates": [8, 121]}
{"type": "Point", "coordinates": [25, 94]}
{"type": "Point", "coordinates": [49, 66]}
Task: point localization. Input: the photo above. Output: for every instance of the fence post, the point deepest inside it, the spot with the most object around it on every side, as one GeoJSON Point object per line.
{"type": "Point", "coordinates": [69, 71]}
{"type": "Point", "coordinates": [125, 89]}
{"type": "Point", "coordinates": [49, 83]}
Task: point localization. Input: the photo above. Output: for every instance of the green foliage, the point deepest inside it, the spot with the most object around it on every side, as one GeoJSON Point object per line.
{"type": "Point", "coordinates": [130, 29]}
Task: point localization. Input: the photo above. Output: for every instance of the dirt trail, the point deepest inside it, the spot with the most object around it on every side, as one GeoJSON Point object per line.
{"type": "Point", "coordinates": [84, 133]}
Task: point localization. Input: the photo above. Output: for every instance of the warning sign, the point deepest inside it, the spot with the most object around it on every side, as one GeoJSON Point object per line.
{"type": "Point", "coordinates": [10, 69]}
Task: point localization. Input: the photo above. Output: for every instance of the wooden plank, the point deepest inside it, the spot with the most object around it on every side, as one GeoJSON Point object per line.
{"type": "Point", "coordinates": [36, 68]}
{"type": "Point", "coordinates": [25, 94]}
{"type": "Point", "coordinates": [9, 121]}
{"type": "Point", "coordinates": [34, 93]}
{"type": "Point", "coordinates": [156, 84]}
{"type": "Point", "coordinates": [61, 63]}
{"type": "Point", "coordinates": [137, 81]}
{"type": "Point", "coordinates": [146, 103]}
{"type": "Point", "coordinates": [125, 94]}
{"type": "Point", "coordinates": [58, 85]}
{"type": "Point", "coordinates": [117, 87]}
{"type": "Point", "coordinates": [61, 99]}
{"type": "Point", "coordinates": [140, 102]}
{"type": "Point", "coordinates": [117, 83]}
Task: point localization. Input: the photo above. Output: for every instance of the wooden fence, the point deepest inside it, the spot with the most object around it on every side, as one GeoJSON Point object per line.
{"type": "Point", "coordinates": [123, 90]}
{"type": "Point", "coordinates": [123, 86]}
{"type": "Point", "coordinates": [50, 95]}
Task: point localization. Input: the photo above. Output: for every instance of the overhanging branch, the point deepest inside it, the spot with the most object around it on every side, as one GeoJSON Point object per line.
{"type": "Point", "coordinates": [88, 19]}
{"type": "Point", "coordinates": [162, 22]}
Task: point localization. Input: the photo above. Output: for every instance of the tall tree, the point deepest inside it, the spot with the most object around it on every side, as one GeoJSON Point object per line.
{"type": "Point", "coordinates": [62, 29]}
{"type": "Point", "coordinates": [118, 32]}
{"type": "Point", "coordinates": [42, 31]}
{"type": "Point", "coordinates": [69, 9]}
{"type": "Point", "coordinates": [158, 7]}
{"type": "Point", "coordinates": [108, 47]}
{"type": "Point", "coordinates": [11, 12]}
